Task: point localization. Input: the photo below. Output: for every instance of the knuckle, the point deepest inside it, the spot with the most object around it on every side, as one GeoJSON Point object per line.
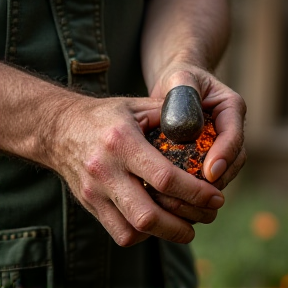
{"type": "Point", "coordinates": [115, 137]}
{"type": "Point", "coordinates": [145, 221]}
{"type": "Point", "coordinates": [88, 193]}
{"type": "Point", "coordinates": [197, 196]}
{"type": "Point", "coordinates": [98, 169]}
{"type": "Point", "coordinates": [163, 179]}
{"type": "Point", "coordinates": [94, 165]}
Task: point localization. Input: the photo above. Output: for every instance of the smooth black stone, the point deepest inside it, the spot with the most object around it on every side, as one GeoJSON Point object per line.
{"type": "Point", "coordinates": [182, 118]}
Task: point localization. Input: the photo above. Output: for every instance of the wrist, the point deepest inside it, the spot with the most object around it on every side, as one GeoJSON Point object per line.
{"type": "Point", "coordinates": [57, 117]}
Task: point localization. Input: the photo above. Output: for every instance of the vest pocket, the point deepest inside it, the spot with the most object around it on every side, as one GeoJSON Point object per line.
{"type": "Point", "coordinates": [26, 258]}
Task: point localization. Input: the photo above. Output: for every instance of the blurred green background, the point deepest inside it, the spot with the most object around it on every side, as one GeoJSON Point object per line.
{"type": "Point", "coordinates": [247, 245]}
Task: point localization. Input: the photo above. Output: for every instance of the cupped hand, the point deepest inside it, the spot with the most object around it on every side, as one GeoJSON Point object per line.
{"type": "Point", "coordinates": [227, 155]}
{"type": "Point", "coordinates": [100, 150]}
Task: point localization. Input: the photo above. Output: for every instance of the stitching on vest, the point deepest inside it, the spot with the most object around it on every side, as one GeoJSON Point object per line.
{"type": "Point", "coordinates": [99, 38]}
{"type": "Point", "coordinates": [98, 26]}
{"type": "Point", "coordinates": [13, 31]}
{"type": "Point", "coordinates": [27, 233]}
{"type": "Point", "coordinates": [29, 265]}
{"type": "Point", "coordinates": [63, 22]}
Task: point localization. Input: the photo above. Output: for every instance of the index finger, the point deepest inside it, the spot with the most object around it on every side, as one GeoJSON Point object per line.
{"type": "Point", "coordinates": [146, 162]}
{"type": "Point", "coordinates": [149, 164]}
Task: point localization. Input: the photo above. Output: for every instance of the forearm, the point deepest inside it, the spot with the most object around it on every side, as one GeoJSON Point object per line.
{"type": "Point", "coordinates": [185, 31]}
{"type": "Point", "coordinates": [29, 109]}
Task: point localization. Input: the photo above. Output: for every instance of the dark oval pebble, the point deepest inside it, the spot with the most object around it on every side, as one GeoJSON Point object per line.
{"type": "Point", "coordinates": [182, 118]}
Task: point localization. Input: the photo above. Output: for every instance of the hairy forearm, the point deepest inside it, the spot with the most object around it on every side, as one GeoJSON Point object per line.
{"type": "Point", "coordinates": [189, 31]}
{"type": "Point", "coordinates": [29, 109]}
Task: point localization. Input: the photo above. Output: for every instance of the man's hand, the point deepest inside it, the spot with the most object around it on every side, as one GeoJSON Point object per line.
{"type": "Point", "coordinates": [99, 148]}
{"type": "Point", "coordinates": [101, 151]}
{"type": "Point", "coordinates": [182, 40]}
{"type": "Point", "coordinates": [227, 155]}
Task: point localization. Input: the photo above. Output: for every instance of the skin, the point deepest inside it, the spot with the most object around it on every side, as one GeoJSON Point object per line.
{"type": "Point", "coordinates": [187, 58]}
{"type": "Point", "coordinates": [99, 148]}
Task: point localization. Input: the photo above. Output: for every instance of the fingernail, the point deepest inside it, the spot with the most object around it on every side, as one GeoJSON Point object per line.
{"type": "Point", "coordinates": [218, 168]}
{"type": "Point", "coordinates": [216, 202]}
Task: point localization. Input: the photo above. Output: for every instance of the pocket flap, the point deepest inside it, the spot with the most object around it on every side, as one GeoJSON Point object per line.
{"type": "Point", "coordinates": [25, 248]}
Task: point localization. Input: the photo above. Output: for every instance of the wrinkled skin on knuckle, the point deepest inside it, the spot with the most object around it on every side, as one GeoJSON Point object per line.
{"type": "Point", "coordinates": [91, 197]}
{"type": "Point", "coordinates": [196, 197]}
{"type": "Point", "coordinates": [98, 168]}
{"type": "Point", "coordinates": [87, 193]}
{"type": "Point", "coordinates": [163, 179]}
{"type": "Point", "coordinates": [114, 138]}
{"type": "Point", "coordinates": [145, 220]}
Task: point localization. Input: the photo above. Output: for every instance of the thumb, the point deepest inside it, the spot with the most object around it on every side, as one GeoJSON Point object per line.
{"type": "Point", "coordinates": [187, 78]}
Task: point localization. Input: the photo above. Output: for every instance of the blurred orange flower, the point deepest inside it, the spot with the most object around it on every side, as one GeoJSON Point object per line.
{"type": "Point", "coordinates": [284, 281]}
{"type": "Point", "coordinates": [204, 267]}
{"type": "Point", "coordinates": [265, 225]}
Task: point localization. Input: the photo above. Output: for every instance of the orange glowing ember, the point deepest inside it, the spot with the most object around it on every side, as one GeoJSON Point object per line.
{"type": "Point", "coordinates": [190, 156]}
{"type": "Point", "coordinates": [206, 139]}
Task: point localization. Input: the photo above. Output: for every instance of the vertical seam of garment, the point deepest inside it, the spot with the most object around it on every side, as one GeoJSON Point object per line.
{"type": "Point", "coordinates": [99, 36]}
{"type": "Point", "coordinates": [68, 232]}
{"type": "Point", "coordinates": [64, 33]}
{"type": "Point", "coordinates": [13, 10]}
{"type": "Point", "coordinates": [71, 225]}
{"type": "Point", "coordinates": [162, 261]}
{"type": "Point", "coordinates": [50, 268]}
{"type": "Point", "coordinates": [65, 224]}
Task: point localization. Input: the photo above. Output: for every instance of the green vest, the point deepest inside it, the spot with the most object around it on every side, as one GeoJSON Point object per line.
{"type": "Point", "coordinates": [46, 238]}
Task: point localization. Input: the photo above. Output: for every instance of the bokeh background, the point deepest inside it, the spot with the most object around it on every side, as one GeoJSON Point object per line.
{"type": "Point", "coordinates": [247, 245]}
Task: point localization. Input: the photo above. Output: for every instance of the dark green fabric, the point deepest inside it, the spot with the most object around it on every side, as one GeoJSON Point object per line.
{"type": "Point", "coordinates": [32, 40]}
{"type": "Point", "coordinates": [26, 249]}
{"type": "Point", "coordinates": [3, 21]}
{"type": "Point", "coordinates": [45, 36]}
{"type": "Point", "coordinates": [31, 197]}
{"type": "Point", "coordinates": [123, 46]}
{"type": "Point", "coordinates": [29, 247]}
